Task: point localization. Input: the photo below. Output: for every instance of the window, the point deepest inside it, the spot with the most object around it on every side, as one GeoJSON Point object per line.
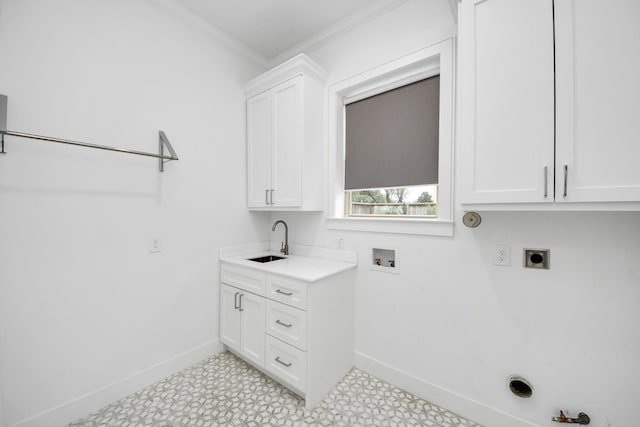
{"type": "Point", "coordinates": [376, 193]}
{"type": "Point", "coordinates": [391, 152]}
{"type": "Point", "coordinates": [411, 201]}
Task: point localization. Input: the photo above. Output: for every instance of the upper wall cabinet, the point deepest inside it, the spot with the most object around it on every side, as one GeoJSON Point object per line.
{"type": "Point", "coordinates": [550, 103]}
{"type": "Point", "coordinates": [598, 100]}
{"type": "Point", "coordinates": [285, 155]}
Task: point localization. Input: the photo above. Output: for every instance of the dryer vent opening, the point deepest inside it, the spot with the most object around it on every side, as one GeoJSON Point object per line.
{"type": "Point", "coordinates": [520, 387]}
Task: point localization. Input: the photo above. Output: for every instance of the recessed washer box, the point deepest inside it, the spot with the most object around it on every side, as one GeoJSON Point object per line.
{"type": "Point", "coordinates": [384, 260]}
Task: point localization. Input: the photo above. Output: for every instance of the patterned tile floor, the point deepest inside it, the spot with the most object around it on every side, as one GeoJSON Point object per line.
{"type": "Point", "coordinates": [225, 391]}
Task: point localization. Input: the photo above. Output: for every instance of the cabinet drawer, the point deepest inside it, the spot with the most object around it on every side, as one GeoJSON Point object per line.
{"type": "Point", "coordinates": [287, 323]}
{"type": "Point", "coordinates": [287, 363]}
{"type": "Point", "coordinates": [247, 280]}
{"type": "Point", "coordinates": [288, 292]}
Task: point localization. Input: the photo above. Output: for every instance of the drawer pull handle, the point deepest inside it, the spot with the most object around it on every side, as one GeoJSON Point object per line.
{"type": "Point", "coordinates": [286, 325]}
{"type": "Point", "coordinates": [240, 303]}
{"type": "Point", "coordinates": [280, 291]}
{"type": "Point", "coordinates": [277, 359]}
{"type": "Point", "coordinates": [235, 301]}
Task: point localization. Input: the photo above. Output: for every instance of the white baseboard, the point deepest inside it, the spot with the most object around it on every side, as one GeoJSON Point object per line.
{"type": "Point", "coordinates": [96, 399]}
{"type": "Point", "coordinates": [447, 399]}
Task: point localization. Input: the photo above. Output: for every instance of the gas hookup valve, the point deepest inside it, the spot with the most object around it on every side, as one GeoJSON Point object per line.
{"type": "Point", "coordinates": [582, 419]}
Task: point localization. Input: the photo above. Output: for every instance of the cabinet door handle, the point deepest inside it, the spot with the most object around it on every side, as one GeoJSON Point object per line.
{"type": "Point", "coordinates": [280, 291]}
{"type": "Point", "coordinates": [235, 301]}
{"type": "Point", "coordinates": [240, 303]}
{"type": "Point", "coordinates": [272, 196]}
{"type": "Point", "coordinates": [566, 173]}
{"type": "Point", "coordinates": [286, 325]}
{"type": "Point", "coordinates": [546, 181]}
{"type": "Point", "coordinates": [266, 197]}
{"type": "Point", "coordinates": [277, 359]}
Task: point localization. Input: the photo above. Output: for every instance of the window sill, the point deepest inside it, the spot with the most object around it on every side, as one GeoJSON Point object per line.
{"type": "Point", "coordinates": [422, 227]}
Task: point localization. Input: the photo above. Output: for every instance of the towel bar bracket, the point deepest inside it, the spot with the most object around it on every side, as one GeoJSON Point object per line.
{"type": "Point", "coordinates": [163, 141]}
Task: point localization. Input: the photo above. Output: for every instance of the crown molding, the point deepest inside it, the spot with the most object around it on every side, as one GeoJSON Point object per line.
{"type": "Point", "coordinates": [341, 27]}
{"type": "Point", "coordinates": [299, 64]}
{"type": "Point", "coordinates": [237, 46]}
{"type": "Point", "coordinates": [453, 4]}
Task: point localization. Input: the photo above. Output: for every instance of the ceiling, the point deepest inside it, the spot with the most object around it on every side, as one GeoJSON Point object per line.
{"type": "Point", "coordinates": [270, 28]}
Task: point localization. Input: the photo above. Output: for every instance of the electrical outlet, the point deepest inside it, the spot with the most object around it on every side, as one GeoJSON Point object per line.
{"type": "Point", "coordinates": [154, 245]}
{"type": "Point", "coordinates": [502, 255]}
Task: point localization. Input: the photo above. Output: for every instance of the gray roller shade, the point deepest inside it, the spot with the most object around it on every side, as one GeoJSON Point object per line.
{"type": "Point", "coordinates": [392, 138]}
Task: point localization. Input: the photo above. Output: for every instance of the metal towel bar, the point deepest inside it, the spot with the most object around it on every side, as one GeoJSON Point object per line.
{"type": "Point", "coordinates": [163, 140]}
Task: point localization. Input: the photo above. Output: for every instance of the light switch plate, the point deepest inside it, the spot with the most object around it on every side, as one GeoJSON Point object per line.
{"type": "Point", "coordinates": [154, 245]}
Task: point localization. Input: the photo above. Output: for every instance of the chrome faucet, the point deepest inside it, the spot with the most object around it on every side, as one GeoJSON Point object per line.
{"type": "Point", "coordinates": [285, 244]}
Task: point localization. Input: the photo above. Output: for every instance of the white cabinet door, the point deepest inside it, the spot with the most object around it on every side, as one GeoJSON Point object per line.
{"type": "Point", "coordinates": [242, 322]}
{"type": "Point", "coordinates": [287, 143]}
{"type": "Point", "coordinates": [507, 101]}
{"type": "Point", "coordinates": [274, 146]}
{"type": "Point", "coordinates": [598, 100]}
{"type": "Point", "coordinates": [259, 136]}
{"type": "Point", "coordinates": [252, 344]}
{"type": "Point", "coordinates": [229, 317]}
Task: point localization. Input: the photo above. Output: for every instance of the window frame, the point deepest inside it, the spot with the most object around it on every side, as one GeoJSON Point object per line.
{"type": "Point", "coordinates": [435, 59]}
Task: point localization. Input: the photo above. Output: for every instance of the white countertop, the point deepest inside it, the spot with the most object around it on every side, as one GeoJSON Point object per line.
{"type": "Point", "coordinates": [303, 263]}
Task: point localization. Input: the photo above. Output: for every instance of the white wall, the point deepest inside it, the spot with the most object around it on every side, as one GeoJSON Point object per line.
{"type": "Point", "coordinates": [86, 313]}
{"type": "Point", "coordinates": [452, 326]}
{"type": "Point", "coordinates": [2, 417]}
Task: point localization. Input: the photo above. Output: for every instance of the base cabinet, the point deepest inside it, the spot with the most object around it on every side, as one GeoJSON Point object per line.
{"type": "Point", "coordinates": [230, 317]}
{"type": "Point", "coordinates": [242, 317]}
{"type": "Point", "coordinates": [299, 333]}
